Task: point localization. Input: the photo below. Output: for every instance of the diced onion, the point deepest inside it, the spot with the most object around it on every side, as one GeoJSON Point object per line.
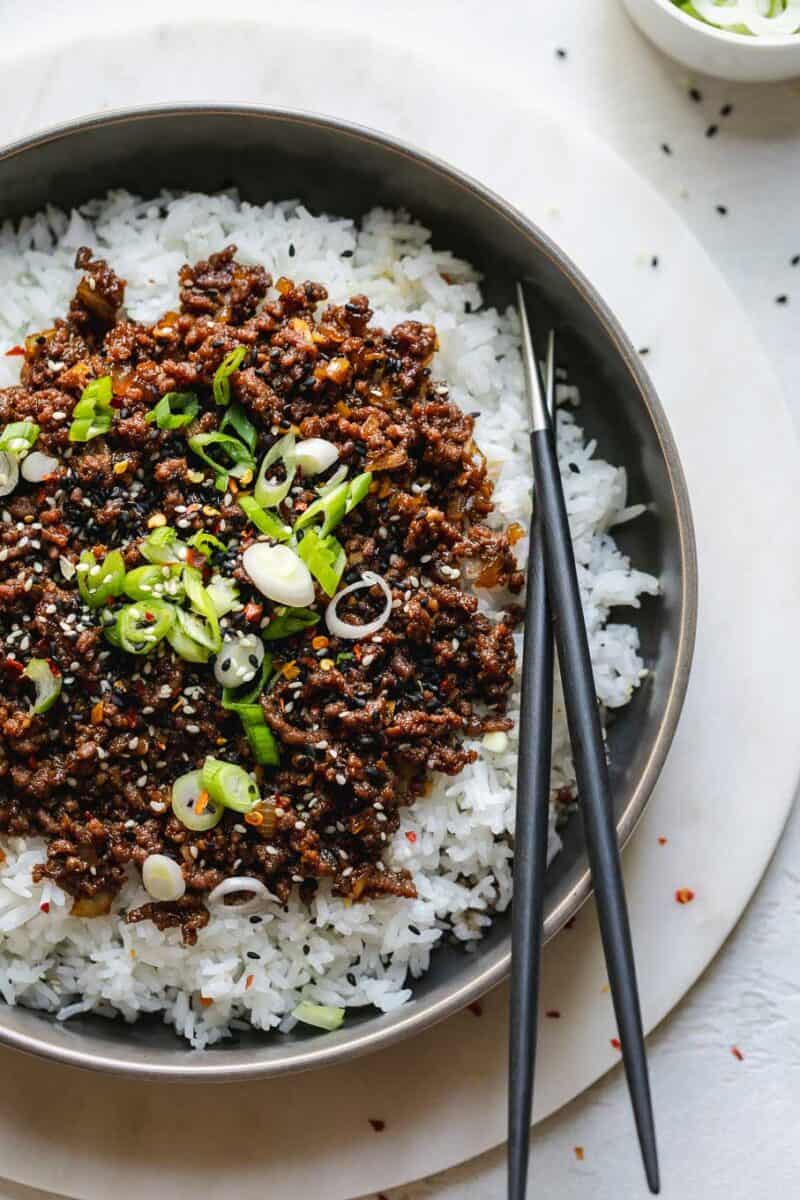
{"type": "Point", "coordinates": [9, 473]}
{"type": "Point", "coordinates": [345, 629]}
{"type": "Point", "coordinates": [239, 659]}
{"type": "Point", "coordinates": [162, 877]}
{"type": "Point", "coordinates": [237, 884]}
{"type": "Point", "coordinates": [279, 574]}
{"type": "Point", "coordinates": [315, 455]}
{"type": "Point", "coordinates": [38, 466]}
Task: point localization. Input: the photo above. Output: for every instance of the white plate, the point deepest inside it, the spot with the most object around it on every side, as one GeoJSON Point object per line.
{"type": "Point", "coordinates": [728, 784]}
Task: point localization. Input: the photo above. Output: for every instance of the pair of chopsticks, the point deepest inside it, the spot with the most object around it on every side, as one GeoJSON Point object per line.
{"type": "Point", "coordinates": [554, 607]}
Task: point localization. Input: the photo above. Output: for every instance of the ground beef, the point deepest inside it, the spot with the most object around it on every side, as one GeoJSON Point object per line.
{"type": "Point", "coordinates": [360, 724]}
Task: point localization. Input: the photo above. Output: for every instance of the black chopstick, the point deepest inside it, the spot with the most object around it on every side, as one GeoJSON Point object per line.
{"type": "Point", "coordinates": [589, 757]}
{"type": "Point", "coordinates": [530, 849]}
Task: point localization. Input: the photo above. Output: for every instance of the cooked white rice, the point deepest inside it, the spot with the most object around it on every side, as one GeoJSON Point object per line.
{"type": "Point", "coordinates": [333, 952]}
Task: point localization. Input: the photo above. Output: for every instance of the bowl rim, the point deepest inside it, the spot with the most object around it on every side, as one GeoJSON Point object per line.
{"type": "Point", "coordinates": [772, 41]}
{"type": "Point", "coordinates": [387, 1029]}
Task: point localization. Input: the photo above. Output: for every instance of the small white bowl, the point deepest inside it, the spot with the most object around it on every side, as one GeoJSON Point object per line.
{"type": "Point", "coordinates": [711, 51]}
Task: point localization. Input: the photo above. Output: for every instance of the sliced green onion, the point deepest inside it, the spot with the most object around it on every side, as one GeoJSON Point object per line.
{"type": "Point", "coordinates": [244, 429]}
{"type": "Point", "coordinates": [187, 637]}
{"type": "Point", "coordinates": [174, 410]}
{"type": "Point", "coordinates": [279, 574]}
{"type": "Point", "coordinates": [98, 581]}
{"type": "Point", "coordinates": [229, 784]}
{"type": "Point", "coordinates": [321, 1016]}
{"type": "Point", "coordinates": [186, 791]}
{"type": "Point", "coordinates": [265, 522]}
{"type": "Point", "coordinates": [92, 415]}
{"type": "Point", "coordinates": [243, 701]}
{"type": "Point", "coordinates": [238, 699]}
{"type": "Point", "coordinates": [9, 473]}
{"type": "Point", "coordinates": [239, 659]}
{"type": "Point", "coordinates": [206, 543]}
{"type": "Point", "coordinates": [336, 478]}
{"type": "Point", "coordinates": [46, 678]}
{"type": "Point", "coordinates": [163, 546]}
{"type": "Point", "coordinates": [240, 460]}
{"type": "Point", "coordinates": [286, 621]}
{"type": "Point", "coordinates": [223, 593]}
{"type": "Point", "coordinates": [18, 437]}
{"type": "Point", "coordinates": [358, 489]}
{"type": "Point", "coordinates": [222, 382]}
{"type": "Point", "coordinates": [315, 455]}
{"type": "Point", "coordinates": [202, 603]}
{"type": "Point", "coordinates": [331, 508]}
{"type": "Point", "coordinates": [335, 504]}
{"type": "Point", "coordinates": [263, 743]}
{"type": "Point", "coordinates": [325, 559]}
{"type": "Point", "coordinates": [270, 495]}
{"type": "Point", "coordinates": [163, 583]}
{"type": "Point", "coordinates": [162, 878]}
{"type": "Point", "coordinates": [141, 626]}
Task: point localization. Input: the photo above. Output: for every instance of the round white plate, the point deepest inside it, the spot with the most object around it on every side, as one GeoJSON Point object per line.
{"type": "Point", "coordinates": [729, 781]}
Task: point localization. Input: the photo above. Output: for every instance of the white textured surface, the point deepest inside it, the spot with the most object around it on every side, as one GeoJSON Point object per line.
{"type": "Point", "coordinates": [726, 1125]}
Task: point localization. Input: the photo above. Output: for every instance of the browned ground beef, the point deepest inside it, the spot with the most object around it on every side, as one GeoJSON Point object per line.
{"type": "Point", "coordinates": [361, 724]}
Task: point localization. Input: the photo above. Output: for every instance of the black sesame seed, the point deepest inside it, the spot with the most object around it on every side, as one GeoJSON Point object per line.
{"type": "Point", "coordinates": [795, 260]}
{"type": "Point", "coordinates": [726, 110]}
{"type": "Point", "coordinates": [574, 466]}
{"type": "Point", "coordinates": [722, 210]}
{"type": "Point", "coordinates": [712, 131]}
{"type": "Point", "coordinates": [561, 52]}
{"type": "Point", "coordinates": [252, 954]}
{"type": "Point", "coordinates": [782, 299]}
{"type": "Point", "coordinates": [347, 254]}
{"type": "Point", "coordinates": [351, 979]}
{"type": "Point", "coordinates": [695, 94]}
{"type": "Point", "coordinates": [413, 929]}
{"type": "Point", "coordinates": [226, 665]}
{"type": "Point", "coordinates": [306, 949]}
{"type": "Point", "coordinates": [251, 658]}
{"type": "Point", "coordinates": [467, 306]}
{"type": "Point", "coordinates": [665, 146]}
{"type": "Point", "coordinates": [644, 350]}
{"type": "Point", "coordinates": [291, 250]}
{"type": "Point", "coordinates": [654, 261]}
{"type": "Point", "coordinates": [256, 920]}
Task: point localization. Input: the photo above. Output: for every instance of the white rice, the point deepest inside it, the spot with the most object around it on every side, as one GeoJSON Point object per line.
{"type": "Point", "coordinates": [333, 952]}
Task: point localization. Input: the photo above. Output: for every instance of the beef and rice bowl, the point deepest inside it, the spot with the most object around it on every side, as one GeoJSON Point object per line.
{"type": "Point", "coordinates": [259, 584]}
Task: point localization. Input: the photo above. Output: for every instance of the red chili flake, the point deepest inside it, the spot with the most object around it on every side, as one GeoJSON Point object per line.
{"type": "Point", "coordinates": [252, 611]}
{"type": "Point", "coordinates": [13, 667]}
{"type": "Point", "coordinates": [32, 762]}
{"type": "Point", "coordinates": [412, 837]}
{"type": "Point", "coordinates": [54, 668]}
{"type": "Point", "coordinates": [579, 1153]}
{"type": "Point", "coordinates": [16, 352]}
{"type": "Point", "coordinates": [377, 1124]}
{"type": "Point", "coordinates": [476, 1009]}
{"type": "Point", "coordinates": [44, 907]}
{"type": "Point", "coordinates": [616, 1043]}
{"type": "Point", "coordinates": [736, 1052]}
{"type": "Point", "coordinates": [248, 983]}
{"type": "Point", "coordinates": [206, 1001]}
{"type": "Point", "coordinates": [684, 895]}
{"type": "Point", "coordinates": [662, 841]}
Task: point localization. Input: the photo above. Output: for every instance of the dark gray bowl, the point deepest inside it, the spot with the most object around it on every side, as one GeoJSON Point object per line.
{"type": "Point", "coordinates": [343, 169]}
